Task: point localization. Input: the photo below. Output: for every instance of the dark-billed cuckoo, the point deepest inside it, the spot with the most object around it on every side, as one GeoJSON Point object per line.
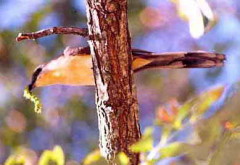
{"type": "Point", "coordinates": [74, 67]}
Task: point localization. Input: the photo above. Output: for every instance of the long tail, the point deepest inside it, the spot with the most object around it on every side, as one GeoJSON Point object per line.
{"type": "Point", "coordinates": [198, 59]}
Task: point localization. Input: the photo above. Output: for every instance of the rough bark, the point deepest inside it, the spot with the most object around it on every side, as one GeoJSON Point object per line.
{"type": "Point", "coordinates": [116, 99]}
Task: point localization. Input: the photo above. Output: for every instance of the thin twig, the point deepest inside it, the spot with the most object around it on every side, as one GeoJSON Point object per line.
{"type": "Point", "coordinates": [54, 30]}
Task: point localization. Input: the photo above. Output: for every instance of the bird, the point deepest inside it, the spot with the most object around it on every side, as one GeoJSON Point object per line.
{"type": "Point", "coordinates": [74, 66]}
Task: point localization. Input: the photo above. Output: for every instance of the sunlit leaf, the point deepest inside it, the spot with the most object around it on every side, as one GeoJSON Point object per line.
{"type": "Point", "coordinates": [46, 157]}
{"type": "Point", "coordinates": [145, 144]}
{"type": "Point", "coordinates": [123, 158]}
{"type": "Point", "coordinates": [55, 156]}
{"type": "Point", "coordinates": [15, 160]}
{"type": "Point", "coordinates": [21, 156]}
{"type": "Point", "coordinates": [205, 100]}
{"type": "Point", "coordinates": [198, 14]}
{"type": "Point", "coordinates": [205, 9]}
{"type": "Point", "coordinates": [194, 16]}
{"type": "Point", "coordinates": [58, 155]}
{"type": "Point", "coordinates": [197, 106]}
{"type": "Point", "coordinates": [184, 111]}
{"type": "Point", "coordinates": [92, 157]}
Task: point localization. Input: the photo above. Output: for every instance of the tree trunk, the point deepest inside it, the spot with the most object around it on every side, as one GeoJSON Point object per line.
{"type": "Point", "coordinates": [116, 99]}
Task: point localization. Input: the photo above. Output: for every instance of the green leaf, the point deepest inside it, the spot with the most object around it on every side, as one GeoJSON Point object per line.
{"type": "Point", "coordinates": [145, 144]}
{"type": "Point", "coordinates": [182, 114]}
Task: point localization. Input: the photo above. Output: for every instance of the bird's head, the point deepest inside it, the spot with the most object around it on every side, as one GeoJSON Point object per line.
{"type": "Point", "coordinates": [51, 73]}
{"type": "Point", "coordinates": [65, 70]}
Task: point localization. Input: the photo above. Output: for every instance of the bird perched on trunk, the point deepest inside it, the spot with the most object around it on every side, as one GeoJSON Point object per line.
{"type": "Point", "coordinates": [74, 67]}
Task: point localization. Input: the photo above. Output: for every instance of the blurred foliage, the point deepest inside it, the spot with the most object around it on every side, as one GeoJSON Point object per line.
{"type": "Point", "coordinates": [93, 157]}
{"type": "Point", "coordinates": [205, 138]}
{"type": "Point", "coordinates": [146, 142]}
{"type": "Point", "coordinates": [123, 158]}
{"type": "Point", "coordinates": [56, 156]}
{"type": "Point", "coordinates": [200, 17]}
{"type": "Point", "coordinates": [48, 157]}
{"type": "Point", "coordinates": [15, 160]}
{"type": "Point", "coordinates": [184, 123]}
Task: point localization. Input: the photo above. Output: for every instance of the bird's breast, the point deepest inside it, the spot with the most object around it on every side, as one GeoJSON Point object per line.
{"type": "Point", "coordinates": [68, 70]}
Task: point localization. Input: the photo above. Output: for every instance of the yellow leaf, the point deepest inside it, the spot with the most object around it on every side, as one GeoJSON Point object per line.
{"type": "Point", "coordinates": [92, 157]}
{"type": "Point", "coordinates": [205, 100]}
{"type": "Point", "coordinates": [123, 158]}
{"type": "Point", "coordinates": [198, 105]}
{"type": "Point", "coordinates": [56, 156]}
{"type": "Point", "coordinates": [45, 158]}
{"type": "Point", "coordinates": [15, 160]}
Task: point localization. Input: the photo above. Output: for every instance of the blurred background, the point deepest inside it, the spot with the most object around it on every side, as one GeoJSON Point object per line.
{"type": "Point", "coordinates": [69, 116]}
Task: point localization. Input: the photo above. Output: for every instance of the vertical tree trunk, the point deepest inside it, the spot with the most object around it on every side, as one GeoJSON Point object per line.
{"type": "Point", "coordinates": [116, 99]}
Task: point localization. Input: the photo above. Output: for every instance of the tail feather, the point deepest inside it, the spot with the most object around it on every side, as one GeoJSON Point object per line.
{"type": "Point", "coordinates": [180, 60]}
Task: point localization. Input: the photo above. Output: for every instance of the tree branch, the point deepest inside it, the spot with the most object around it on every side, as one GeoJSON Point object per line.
{"type": "Point", "coordinates": [116, 98]}
{"type": "Point", "coordinates": [54, 30]}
